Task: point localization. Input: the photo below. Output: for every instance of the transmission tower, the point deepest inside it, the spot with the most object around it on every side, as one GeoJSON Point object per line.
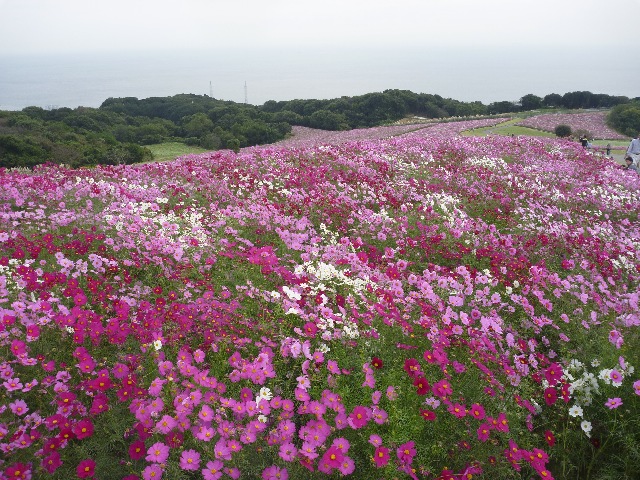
{"type": "Point", "coordinates": [246, 100]}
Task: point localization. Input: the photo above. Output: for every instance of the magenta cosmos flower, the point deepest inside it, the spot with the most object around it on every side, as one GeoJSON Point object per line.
{"type": "Point", "coordinates": [358, 417]}
{"type": "Point", "coordinates": [381, 456]}
{"type": "Point", "coordinates": [86, 468]}
{"type": "Point", "coordinates": [406, 452]}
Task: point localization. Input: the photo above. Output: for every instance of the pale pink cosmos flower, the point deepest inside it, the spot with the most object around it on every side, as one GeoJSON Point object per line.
{"type": "Point", "coordinates": [613, 403]}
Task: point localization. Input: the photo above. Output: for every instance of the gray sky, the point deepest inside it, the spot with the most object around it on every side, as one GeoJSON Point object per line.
{"type": "Point", "coordinates": [47, 26]}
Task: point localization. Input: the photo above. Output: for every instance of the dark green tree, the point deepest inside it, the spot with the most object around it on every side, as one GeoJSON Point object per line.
{"type": "Point", "coordinates": [553, 100]}
{"type": "Point", "coordinates": [530, 102]}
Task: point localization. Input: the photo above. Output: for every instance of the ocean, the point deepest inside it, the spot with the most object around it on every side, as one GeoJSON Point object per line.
{"type": "Point", "coordinates": [258, 75]}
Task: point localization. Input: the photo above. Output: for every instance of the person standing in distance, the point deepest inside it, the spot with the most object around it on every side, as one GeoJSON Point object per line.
{"type": "Point", "coordinates": [634, 150]}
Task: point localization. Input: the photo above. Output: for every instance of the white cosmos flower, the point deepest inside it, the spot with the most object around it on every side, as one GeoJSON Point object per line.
{"type": "Point", "coordinates": [575, 411]}
{"type": "Point", "coordinates": [265, 394]}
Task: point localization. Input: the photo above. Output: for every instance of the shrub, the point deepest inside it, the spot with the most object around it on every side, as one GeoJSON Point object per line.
{"type": "Point", "coordinates": [563, 131]}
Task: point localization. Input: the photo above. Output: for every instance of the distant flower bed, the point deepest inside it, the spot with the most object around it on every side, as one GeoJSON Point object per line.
{"type": "Point", "coordinates": [592, 122]}
{"type": "Point", "coordinates": [304, 136]}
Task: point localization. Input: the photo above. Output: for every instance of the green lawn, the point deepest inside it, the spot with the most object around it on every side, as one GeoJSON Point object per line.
{"type": "Point", "coordinates": [507, 128]}
{"type": "Point", "coordinates": [172, 150]}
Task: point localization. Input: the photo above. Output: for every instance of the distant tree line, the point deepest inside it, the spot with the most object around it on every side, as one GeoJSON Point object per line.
{"type": "Point", "coordinates": [118, 131]}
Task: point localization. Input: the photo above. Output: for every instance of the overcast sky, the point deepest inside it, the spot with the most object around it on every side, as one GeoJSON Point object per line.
{"type": "Point", "coordinates": [47, 26]}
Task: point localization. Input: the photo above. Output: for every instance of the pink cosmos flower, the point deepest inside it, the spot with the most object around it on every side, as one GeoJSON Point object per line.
{"type": "Point", "coordinates": [501, 423]}
{"type": "Point", "coordinates": [190, 460]}
{"type": "Point", "coordinates": [477, 411]}
{"type": "Point", "coordinates": [333, 367]}
{"type": "Point", "coordinates": [275, 473]}
{"type": "Point", "coordinates": [484, 431]}
{"type": "Point", "coordinates": [457, 410]}
{"type": "Point", "coordinates": [18, 348]}
{"type": "Point", "coordinates": [206, 413]}
{"type": "Point", "coordinates": [157, 453]}
{"type": "Point", "coordinates": [428, 414]}
{"type": "Point", "coordinates": [442, 388]}
{"type": "Point", "coordinates": [99, 404]}
{"type": "Point", "coordinates": [13, 384]}
{"type": "Point", "coordinates": [421, 384]}
{"type": "Point", "coordinates": [391, 393]}
{"type": "Point", "coordinates": [550, 438]}
{"type": "Point", "coordinates": [86, 365]}
{"type": "Point", "coordinates": [412, 367]}
{"type": "Point", "coordinates": [342, 444]}
{"type": "Point", "coordinates": [616, 376]}
{"type": "Point", "coordinates": [205, 433]}
{"type": "Point", "coordinates": [152, 472]}
{"type": "Point", "coordinates": [166, 424]}
{"type": "Point", "coordinates": [550, 395]}
{"type": "Point", "coordinates": [613, 403]}
{"type": "Point", "coordinates": [636, 387]}
{"type": "Point", "coordinates": [19, 407]}
{"type": "Point", "coordinates": [308, 450]}
{"type": "Point", "coordinates": [83, 429]}
{"type": "Point", "coordinates": [199, 356]}
{"type": "Point", "coordinates": [333, 457]}
{"type": "Point", "coordinates": [553, 373]}
{"type": "Point", "coordinates": [347, 466]}
{"type": "Point", "coordinates": [213, 471]}
{"type": "Point", "coordinates": [136, 450]}
{"type": "Point", "coordinates": [234, 445]}
{"type": "Point", "coordinates": [288, 452]}
{"type": "Point", "coordinates": [52, 462]}
{"type": "Point", "coordinates": [221, 451]}
{"type": "Point", "coordinates": [233, 472]}
{"type": "Point", "coordinates": [18, 471]}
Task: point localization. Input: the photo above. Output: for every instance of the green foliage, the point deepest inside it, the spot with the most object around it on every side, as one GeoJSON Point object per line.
{"type": "Point", "coordinates": [553, 100]}
{"type": "Point", "coordinates": [19, 151]}
{"type": "Point", "coordinates": [327, 120]}
{"type": "Point", "coordinates": [530, 102]}
{"type": "Point", "coordinates": [502, 107]}
{"type": "Point", "coordinates": [562, 131]}
{"type": "Point", "coordinates": [625, 118]}
{"type": "Point", "coordinates": [371, 109]}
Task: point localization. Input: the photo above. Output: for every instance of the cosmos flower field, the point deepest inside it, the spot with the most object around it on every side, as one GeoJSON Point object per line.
{"type": "Point", "coordinates": [411, 304]}
{"type": "Point", "coordinates": [592, 122]}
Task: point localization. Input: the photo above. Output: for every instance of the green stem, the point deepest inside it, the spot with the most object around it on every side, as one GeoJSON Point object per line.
{"type": "Point", "coordinates": [564, 448]}
{"type": "Point", "coordinates": [600, 450]}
